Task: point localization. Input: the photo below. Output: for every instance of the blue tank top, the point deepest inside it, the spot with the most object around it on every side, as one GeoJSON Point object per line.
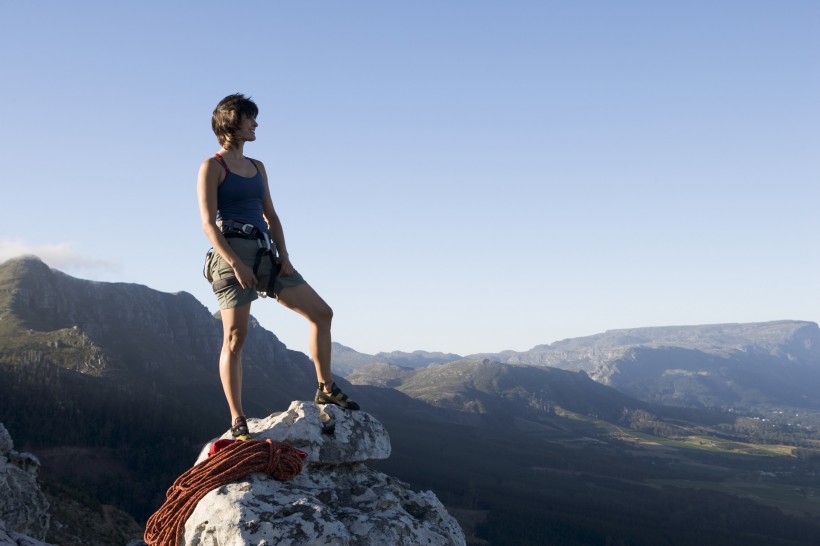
{"type": "Point", "coordinates": [239, 198]}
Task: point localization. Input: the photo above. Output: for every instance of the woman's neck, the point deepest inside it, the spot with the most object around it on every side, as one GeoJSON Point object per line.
{"type": "Point", "coordinates": [236, 152]}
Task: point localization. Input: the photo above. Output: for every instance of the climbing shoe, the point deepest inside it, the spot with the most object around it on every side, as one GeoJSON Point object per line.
{"type": "Point", "coordinates": [239, 430]}
{"type": "Point", "coordinates": [335, 396]}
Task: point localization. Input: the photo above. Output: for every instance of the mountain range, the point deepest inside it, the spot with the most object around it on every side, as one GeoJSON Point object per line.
{"type": "Point", "coordinates": [622, 438]}
{"type": "Point", "coordinates": [739, 367]}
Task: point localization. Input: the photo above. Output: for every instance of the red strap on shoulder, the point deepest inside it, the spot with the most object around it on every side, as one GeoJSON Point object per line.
{"type": "Point", "coordinates": [222, 162]}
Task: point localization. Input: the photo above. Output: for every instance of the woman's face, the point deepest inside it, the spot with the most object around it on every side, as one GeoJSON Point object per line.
{"type": "Point", "coordinates": [247, 129]}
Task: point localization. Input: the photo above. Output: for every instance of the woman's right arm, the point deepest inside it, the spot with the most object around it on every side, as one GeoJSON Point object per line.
{"type": "Point", "coordinates": [206, 188]}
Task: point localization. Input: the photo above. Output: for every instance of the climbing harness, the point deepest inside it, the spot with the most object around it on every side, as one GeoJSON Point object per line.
{"type": "Point", "coordinates": [231, 229]}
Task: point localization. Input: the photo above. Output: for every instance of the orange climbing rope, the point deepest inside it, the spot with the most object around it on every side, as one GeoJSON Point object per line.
{"type": "Point", "coordinates": [231, 463]}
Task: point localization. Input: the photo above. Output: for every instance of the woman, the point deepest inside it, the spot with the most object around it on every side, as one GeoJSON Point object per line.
{"type": "Point", "coordinates": [250, 256]}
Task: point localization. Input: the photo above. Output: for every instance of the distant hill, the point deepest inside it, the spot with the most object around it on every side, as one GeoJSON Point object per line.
{"type": "Point", "coordinates": [417, 359]}
{"type": "Point", "coordinates": [488, 387]}
{"type": "Point", "coordinates": [798, 341]}
{"type": "Point", "coordinates": [738, 366]}
{"type": "Point", "coordinates": [346, 359]}
{"type": "Point", "coordinates": [754, 367]}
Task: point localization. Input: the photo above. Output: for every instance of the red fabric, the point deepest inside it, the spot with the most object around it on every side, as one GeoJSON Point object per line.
{"type": "Point", "coordinates": [217, 446]}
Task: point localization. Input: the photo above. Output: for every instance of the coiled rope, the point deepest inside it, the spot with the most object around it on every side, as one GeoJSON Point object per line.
{"type": "Point", "coordinates": [232, 463]}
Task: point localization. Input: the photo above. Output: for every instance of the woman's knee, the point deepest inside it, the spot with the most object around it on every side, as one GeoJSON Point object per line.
{"type": "Point", "coordinates": [234, 339]}
{"type": "Point", "coordinates": [235, 327]}
{"type": "Point", "coordinates": [323, 315]}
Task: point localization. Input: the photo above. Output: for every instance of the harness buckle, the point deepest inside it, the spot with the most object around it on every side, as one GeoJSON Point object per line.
{"type": "Point", "coordinates": [247, 229]}
{"type": "Point", "coordinates": [265, 242]}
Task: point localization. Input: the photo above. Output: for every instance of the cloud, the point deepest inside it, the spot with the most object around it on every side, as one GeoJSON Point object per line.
{"type": "Point", "coordinates": [62, 256]}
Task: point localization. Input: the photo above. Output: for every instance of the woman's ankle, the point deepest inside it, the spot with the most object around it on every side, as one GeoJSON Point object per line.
{"type": "Point", "coordinates": [326, 388]}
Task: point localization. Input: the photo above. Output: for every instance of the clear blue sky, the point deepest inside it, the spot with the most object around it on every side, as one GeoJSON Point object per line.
{"type": "Point", "coordinates": [452, 176]}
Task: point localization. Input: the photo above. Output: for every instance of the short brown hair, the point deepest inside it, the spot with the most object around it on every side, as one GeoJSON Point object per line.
{"type": "Point", "coordinates": [227, 115]}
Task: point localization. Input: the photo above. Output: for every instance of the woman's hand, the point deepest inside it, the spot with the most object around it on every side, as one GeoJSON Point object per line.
{"type": "Point", "coordinates": [285, 267]}
{"type": "Point", "coordinates": [244, 275]}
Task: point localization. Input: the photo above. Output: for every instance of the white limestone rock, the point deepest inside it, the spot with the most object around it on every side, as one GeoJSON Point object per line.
{"type": "Point", "coordinates": [358, 437]}
{"type": "Point", "coordinates": [335, 501]}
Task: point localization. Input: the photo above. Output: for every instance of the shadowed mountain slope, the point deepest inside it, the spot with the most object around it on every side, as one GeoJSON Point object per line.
{"type": "Point", "coordinates": [123, 376]}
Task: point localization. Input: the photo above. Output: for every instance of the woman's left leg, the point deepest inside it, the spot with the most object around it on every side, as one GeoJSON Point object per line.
{"type": "Point", "coordinates": [304, 300]}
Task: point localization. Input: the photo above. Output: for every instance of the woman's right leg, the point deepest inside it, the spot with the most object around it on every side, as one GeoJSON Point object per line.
{"type": "Point", "coordinates": [234, 331]}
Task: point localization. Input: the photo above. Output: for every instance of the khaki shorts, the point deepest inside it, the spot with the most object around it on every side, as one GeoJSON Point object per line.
{"type": "Point", "coordinates": [216, 268]}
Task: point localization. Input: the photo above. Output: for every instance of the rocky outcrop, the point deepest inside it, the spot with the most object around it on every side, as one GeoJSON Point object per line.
{"type": "Point", "coordinates": [16, 539]}
{"type": "Point", "coordinates": [24, 515]}
{"type": "Point", "coordinates": [335, 500]}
